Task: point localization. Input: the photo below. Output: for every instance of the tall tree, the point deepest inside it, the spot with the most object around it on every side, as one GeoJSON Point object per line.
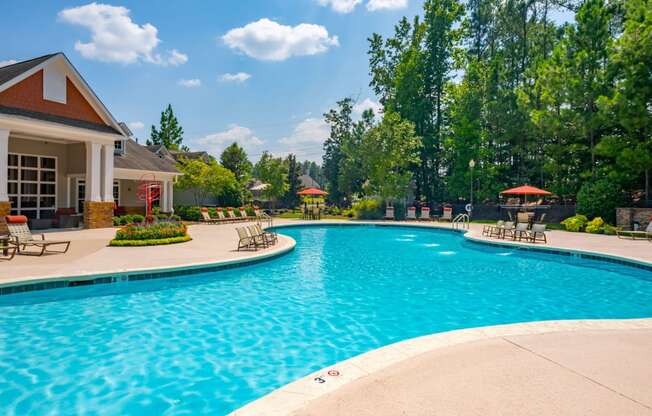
{"type": "Point", "coordinates": [235, 159]}
{"type": "Point", "coordinates": [272, 171]}
{"type": "Point", "coordinates": [169, 133]}
{"type": "Point", "coordinates": [291, 199]}
{"type": "Point", "coordinates": [341, 123]}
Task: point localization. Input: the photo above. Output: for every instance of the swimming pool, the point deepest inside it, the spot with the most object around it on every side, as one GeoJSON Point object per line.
{"type": "Point", "coordinates": [212, 342]}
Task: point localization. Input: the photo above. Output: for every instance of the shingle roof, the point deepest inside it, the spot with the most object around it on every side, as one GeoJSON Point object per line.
{"type": "Point", "coordinates": [9, 72]}
{"type": "Point", "coordinates": [58, 119]}
{"type": "Point", "coordinates": [138, 157]}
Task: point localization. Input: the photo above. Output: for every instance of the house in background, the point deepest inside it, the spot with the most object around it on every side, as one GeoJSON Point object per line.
{"type": "Point", "coordinates": [60, 148]}
{"type": "Point", "coordinates": [307, 181]}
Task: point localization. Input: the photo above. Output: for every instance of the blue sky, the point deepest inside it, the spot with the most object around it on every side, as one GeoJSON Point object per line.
{"type": "Point", "coordinates": [260, 72]}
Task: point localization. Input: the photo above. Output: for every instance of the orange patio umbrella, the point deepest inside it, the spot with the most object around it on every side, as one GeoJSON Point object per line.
{"type": "Point", "coordinates": [526, 190]}
{"type": "Point", "coordinates": [312, 192]}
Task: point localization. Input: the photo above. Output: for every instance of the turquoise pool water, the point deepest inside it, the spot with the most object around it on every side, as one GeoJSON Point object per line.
{"type": "Point", "coordinates": [209, 343]}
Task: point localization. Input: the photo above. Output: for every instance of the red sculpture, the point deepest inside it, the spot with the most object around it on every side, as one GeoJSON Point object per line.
{"type": "Point", "coordinates": [149, 190]}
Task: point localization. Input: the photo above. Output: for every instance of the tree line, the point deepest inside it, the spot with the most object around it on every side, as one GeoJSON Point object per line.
{"type": "Point", "coordinates": [564, 107]}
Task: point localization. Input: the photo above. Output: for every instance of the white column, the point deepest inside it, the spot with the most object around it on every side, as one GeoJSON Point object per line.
{"type": "Point", "coordinates": [107, 174]}
{"type": "Point", "coordinates": [164, 196]}
{"type": "Point", "coordinates": [93, 171]}
{"type": "Point", "coordinates": [4, 170]}
{"type": "Point", "coordinates": [68, 192]}
{"type": "Point", "coordinates": [170, 188]}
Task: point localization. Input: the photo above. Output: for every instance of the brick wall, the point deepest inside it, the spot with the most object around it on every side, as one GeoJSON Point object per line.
{"type": "Point", "coordinates": [626, 216]}
{"type": "Point", "coordinates": [28, 95]}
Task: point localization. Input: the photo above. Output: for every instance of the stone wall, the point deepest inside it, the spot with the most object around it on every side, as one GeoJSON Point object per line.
{"type": "Point", "coordinates": [98, 214]}
{"type": "Point", "coordinates": [5, 209]}
{"type": "Point", "coordinates": [626, 216]}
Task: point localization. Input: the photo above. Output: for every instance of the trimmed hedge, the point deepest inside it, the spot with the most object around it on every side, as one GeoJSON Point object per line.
{"type": "Point", "coordinates": [151, 242]}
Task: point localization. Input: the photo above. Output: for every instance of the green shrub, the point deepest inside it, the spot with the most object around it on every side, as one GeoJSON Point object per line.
{"type": "Point", "coordinates": [609, 229]}
{"type": "Point", "coordinates": [151, 232]}
{"type": "Point", "coordinates": [367, 209]}
{"type": "Point", "coordinates": [595, 226]}
{"type": "Point", "coordinates": [154, 242]}
{"type": "Point", "coordinates": [600, 199]}
{"type": "Point", "coordinates": [575, 223]}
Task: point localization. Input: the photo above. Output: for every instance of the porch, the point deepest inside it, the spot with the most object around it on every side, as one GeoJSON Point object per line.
{"type": "Point", "coordinates": [59, 180]}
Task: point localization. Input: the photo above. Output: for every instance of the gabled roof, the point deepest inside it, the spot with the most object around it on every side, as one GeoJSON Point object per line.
{"type": "Point", "coordinates": [137, 157]}
{"type": "Point", "coordinates": [9, 72]}
{"type": "Point", "coordinates": [15, 73]}
{"type": "Point", "coordinates": [103, 128]}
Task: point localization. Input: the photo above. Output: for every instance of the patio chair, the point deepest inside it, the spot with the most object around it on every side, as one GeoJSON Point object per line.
{"type": "Point", "coordinates": [411, 214]}
{"type": "Point", "coordinates": [496, 230]}
{"type": "Point", "coordinates": [538, 233]}
{"type": "Point", "coordinates": [521, 231]}
{"type": "Point", "coordinates": [633, 235]}
{"type": "Point", "coordinates": [23, 238]}
{"type": "Point", "coordinates": [541, 218]}
{"type": "Point", "coordinates": [425, 214]}
{"type": "Point", "coordinates": [245, 241]}
{"type": "Point", "coordinates": [389, 213]}
{"type": "Point", "coordinates": [447, 214]}
{"type": "Point", "coordinates": [522, 217]}
{"type": "Point", "coordinates": [270, 236]}
{"type": "Point", "coordinates": [258, 237]}
{"type": "Point", "coordinates": [486, 229]}
{"type": "Point", "coordinates": [206, 217]}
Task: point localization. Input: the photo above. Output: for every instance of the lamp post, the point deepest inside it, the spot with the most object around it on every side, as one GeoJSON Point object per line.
{"type": "Point", "coordinates": [471, 166]}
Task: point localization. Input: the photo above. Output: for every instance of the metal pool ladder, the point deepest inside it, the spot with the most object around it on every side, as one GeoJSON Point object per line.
{"type": "Point", "coordinates": [461, 219]}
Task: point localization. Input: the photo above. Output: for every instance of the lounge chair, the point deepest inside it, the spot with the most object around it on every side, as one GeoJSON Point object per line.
{"type": "Point", "coordinates": [389, 213]}
{"type": "Point", "coordinates": [261, 216]}
{"type": "Point", "coordinates": [222, 218]}
{"type": "Point", "coordinates": [270, 236]}
{"type": "Point", "coordinates": [23, 238]}
{"type": "Point", "coordinates": [487, 229]}
{"type": "Point", "coordinates": [521, 231]}
{"type": "Point", "coordinates": [246, 241]}
{"type": "Point", "coordinates": [447, 214]}
{"type": "Point", "coordinates": [232, 216]}
{"type": "Point", "coordinates": [411, 214]}
{"type": "Point", "coordinates": [633, 235]}
{"type": "Point", "coordinates": [522, 217]}
{"type": "Point", "coordinates": [425, 214]}
{"type": "Point", "coordinates": [206, 217]}
{"type": "Point", "coordinates": [495, 230]}
{"type": "Point", "coordinates": [538, 233]}
{"type": "Point", "coordinates": [244, 215]}
{"type": "Point", "coordinates": [259, 238]}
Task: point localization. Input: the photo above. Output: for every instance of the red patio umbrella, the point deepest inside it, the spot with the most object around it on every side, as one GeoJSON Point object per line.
{"type": "Point", "coordinates": [526, 190]}
{"type": "Point", "coordinates": [312, 192]}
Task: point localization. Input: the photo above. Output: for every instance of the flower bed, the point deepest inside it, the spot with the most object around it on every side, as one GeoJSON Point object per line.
{"type": "Point", "coordinates": [151, 234]}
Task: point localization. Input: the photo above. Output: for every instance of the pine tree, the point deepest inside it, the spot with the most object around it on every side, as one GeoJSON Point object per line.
{"type": "Point", "coordinates": [169, 133]}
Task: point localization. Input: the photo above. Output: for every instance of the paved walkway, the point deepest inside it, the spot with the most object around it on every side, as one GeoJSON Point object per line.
{"type": "Point", "coordinates": [564, 373]}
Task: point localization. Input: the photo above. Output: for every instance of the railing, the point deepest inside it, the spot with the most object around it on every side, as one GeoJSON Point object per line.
{"type": "Point", "coordinates": [462, 219]}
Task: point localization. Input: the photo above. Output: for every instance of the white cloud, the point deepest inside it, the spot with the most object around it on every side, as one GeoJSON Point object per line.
{"type": "Point", "coordinates": [7, 62]}
{"type": "Point", "coordinates": [116, 38]}
{"type": "Point", "coordinates": [215, 143]}
{"type": "Point", "coordinates": [310, 130]}
{"type": "Point", "coordinates": [269, 41]}
{"type": "Point", "coordinates": [240, 77]}
{"type": "Point", "coordinates": [190, 83]}
{"type": "Point", "coordinates": [341, 6]}
{"type": "Point", "coordinates": [366, 104]}
{"type": "Point", "coordinates": [136, 125]}
{"type": "Point", "coordinates": [374, 5]}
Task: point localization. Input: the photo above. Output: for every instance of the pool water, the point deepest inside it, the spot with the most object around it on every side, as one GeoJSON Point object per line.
{"type": "Point", "coordinates": [209, 343]}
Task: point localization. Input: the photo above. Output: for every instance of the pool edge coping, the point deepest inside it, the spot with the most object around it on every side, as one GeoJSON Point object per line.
{"type": "Point", "coordinates": [295, 395]}
{"type": "Point", "coordinates": [55, 282]}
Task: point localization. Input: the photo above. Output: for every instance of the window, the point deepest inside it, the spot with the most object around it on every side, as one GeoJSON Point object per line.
{"type": "Point", "coordinates": [119, 147]}
{"type": "Point", "coordinates": [32, 185]}
{"type": "Point", "coordinates": [116, 192]}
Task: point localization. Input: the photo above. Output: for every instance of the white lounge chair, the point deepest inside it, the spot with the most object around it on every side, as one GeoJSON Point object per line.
{"type": "Point", "coordinates": [411, 214]}
{"type": "Point", "coordinates": [447, 214]}
{"type": "Point", "coordinates": [425, 214]}
{"type": "Point", "coordinates": [389, 213]}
